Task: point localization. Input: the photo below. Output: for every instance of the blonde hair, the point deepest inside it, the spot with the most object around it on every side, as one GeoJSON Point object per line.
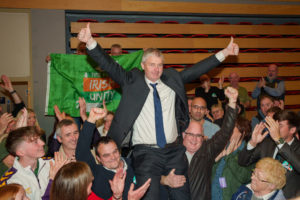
{"type": "Point", "coordinates": [29, 110]}
{"type": "Point", "coordinates": [71, 182]}
{"type": "Point", "coordinates": [274, 171]}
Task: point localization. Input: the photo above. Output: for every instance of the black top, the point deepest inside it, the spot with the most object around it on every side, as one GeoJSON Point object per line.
{"type": "Point", "coordinates": [212, 96]}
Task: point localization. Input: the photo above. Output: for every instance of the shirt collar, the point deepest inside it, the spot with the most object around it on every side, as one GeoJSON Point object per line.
{"type": "Point", "coordinates": [125, 167]}
{"type": "Point", "coordinates": [290, 142]}
{"type": "Point", "coordinates": [148, 81]}
{"type": "Point", "coordinates": [264, 197]}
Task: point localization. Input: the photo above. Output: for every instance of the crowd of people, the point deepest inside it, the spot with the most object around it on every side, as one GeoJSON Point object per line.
{"type": "Point", "coordinates": [159, 144]}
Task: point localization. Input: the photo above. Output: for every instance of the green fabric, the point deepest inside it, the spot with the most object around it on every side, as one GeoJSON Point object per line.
{"type": "Point", "coordinates": [74, 76]}
{"type": "Point", "coordinates": [3, 154]}
{"type": "Point", "coordinates": [234, 174]}
{"type": "Point", "coordinates": [36, 171]}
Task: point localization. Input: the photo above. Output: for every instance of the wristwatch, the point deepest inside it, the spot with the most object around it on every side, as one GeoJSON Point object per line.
{"type": "Point", "coordinates": [280, 141]}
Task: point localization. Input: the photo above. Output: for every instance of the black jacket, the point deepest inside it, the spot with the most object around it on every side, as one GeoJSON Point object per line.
{"type": "Point", "coordinates": [290, 153]}
{"type": "Point", "coordinates": [200, 168]}
{"type": "Point", "coordinates": [135, 91]}
{"type": "Point", "coordinates": [101, 186]}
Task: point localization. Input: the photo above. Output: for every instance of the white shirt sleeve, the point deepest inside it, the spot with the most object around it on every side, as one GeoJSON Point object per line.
{"type": "Point", "coordinates": [220, 56]}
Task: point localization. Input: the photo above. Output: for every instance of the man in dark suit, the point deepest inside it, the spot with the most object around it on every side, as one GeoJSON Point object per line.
{"type": "Point", "coordinates": [281, 145]}
{"type": "Point", "coordinates": [154, 108]}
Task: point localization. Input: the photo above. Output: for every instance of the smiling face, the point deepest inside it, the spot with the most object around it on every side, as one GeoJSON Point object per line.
{"type": "Point", "coordinates": [193, 137]}
{"type": "Point", "coordinates": [259, 183]}
{"type": "Point", "coordinates": [69, 136]}
{"type": "Point", "coordinates": [153, 67]}
{"type": "Point", "coordinates": [109, 155]}
{"type": "Point", "coordinates": [31, 119]}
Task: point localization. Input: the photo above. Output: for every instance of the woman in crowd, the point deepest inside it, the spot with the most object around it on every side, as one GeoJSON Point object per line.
{"type": "Point", "coordinates": [74, 181]}
{"type": "Point", "coordinates": [227, 175]}
{"type": "Point", "coordinates": [211, 94]}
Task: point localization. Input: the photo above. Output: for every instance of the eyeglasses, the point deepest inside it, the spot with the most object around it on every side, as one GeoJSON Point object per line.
{"type": "Point", "coordinates": [194, 135]}
{"type": "Point", "coordinates": [254, 173]}
{"type": "Point", "coordinates": [199, 107]}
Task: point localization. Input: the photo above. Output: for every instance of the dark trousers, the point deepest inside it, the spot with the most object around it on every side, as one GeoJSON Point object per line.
{"type": "Point", "coordinates": [150, 162]}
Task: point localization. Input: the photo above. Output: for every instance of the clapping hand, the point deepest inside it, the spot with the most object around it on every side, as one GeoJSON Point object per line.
{"type": "Point", "coordinates": [59, 161]}
{"type": "Point", "coordinates": [82, 107]}
{"type": "Point", "coordinates": [22, 121]}
{"type": "Point", "coordinates": [6, 84]}
{"type": "Point", "coordinates": [273, 127]}
{"type": "Point", "coordinates": [5, 119]}
{"type": "Point", "coordinates": [60, 115]}
{"type": "Point", "coordinates": [221, 81]}
{"type": "Point", "coordinates": [257, 135]}
{"type": "Point", "coordinates": [117, 183]}
{"type": "Point", "coordinates": [138, 193]}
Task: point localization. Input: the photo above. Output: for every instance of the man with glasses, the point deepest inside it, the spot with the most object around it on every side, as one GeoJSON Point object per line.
{"type": "Point", "coordinates": [267, 179]}
{"type": "Point", "coordinates": [198, 113]}
{"type": "Point", "coordinates": [201, 153]}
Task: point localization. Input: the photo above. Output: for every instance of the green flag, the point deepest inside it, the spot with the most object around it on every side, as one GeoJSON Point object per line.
{"type": "Point", "coordinates": [73, 76]}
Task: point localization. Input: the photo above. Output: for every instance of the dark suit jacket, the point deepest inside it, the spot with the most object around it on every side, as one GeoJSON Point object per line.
{"type": "Point", "coordinates": [135, 91]}
{"type": "Point", "coordinates": [289, 153]}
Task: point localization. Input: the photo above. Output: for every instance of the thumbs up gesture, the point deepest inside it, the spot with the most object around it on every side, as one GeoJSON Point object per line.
{"type": "Point", "coordinates": [85, 35]}
{"type": "Point", "coordinates": [232, 49]}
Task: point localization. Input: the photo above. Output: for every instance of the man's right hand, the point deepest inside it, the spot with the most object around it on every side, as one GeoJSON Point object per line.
{"type": "Point", "coordinates": [172, 180]}
{"type": "Point", "coordinates": [85, 35]}
{"type": "Point", "coordinates": [232, 94]}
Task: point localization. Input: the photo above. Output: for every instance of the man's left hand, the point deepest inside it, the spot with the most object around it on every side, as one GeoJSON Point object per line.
{"type": "Point", "coordinates": [231, 50]}
{"type": "Point", "coordinates": [273, 127]}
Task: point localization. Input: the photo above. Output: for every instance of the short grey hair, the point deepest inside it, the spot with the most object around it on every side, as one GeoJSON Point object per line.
{"type": "Point", "coordinates": [64, 122]}
{"type": "Point", "coordinates": [152, 52]}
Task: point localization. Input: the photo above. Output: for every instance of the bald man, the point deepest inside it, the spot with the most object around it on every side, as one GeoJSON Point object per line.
{"type": "Point", "coordinates": [270, 85]}
{"type": "Point", "coordinates": [234, 80]}
{"type": "Point", "coordinates": [198, 113]}
{"type": "Point", "coordinates": [201, 153]}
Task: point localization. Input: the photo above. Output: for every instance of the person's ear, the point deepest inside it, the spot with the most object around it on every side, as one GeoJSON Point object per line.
{"type": "Point", "coordinates": [59, 139]}
{"type": "Point", "coordinates": [272, 186]}
{"type": "Point", "coordinates": [98, 159]}
{"type": "Point", "coordinates": [143, 65]}
{"type": "Point", "coordinates": [293, 130]}
{"type": "Point", "coordinates": [20, 152]}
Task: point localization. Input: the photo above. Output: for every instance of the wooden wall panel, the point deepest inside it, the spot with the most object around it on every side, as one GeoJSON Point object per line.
{"type": "Point", "coordinates": [146, 28]}
{"type": "Point", "coordinates": [190, 43]}
{"type": "Point", "coordinates": [158, 6]}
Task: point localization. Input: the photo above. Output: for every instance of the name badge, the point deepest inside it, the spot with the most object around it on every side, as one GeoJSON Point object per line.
{"type": "Point", "coordinates": [222, 182]}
